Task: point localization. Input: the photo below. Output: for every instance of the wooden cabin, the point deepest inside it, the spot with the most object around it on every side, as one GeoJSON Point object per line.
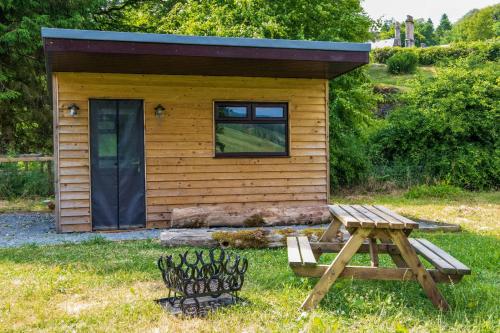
{"type": "Point", "coordinates": [148, 123]}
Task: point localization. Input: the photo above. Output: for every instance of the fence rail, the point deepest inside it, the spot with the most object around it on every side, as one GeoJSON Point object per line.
{"type": "Point", "coordinates": [25, 158]}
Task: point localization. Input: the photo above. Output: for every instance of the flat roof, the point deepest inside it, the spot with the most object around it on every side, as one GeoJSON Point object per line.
{"type": "Point", "coordinates": [202, 40]}
{"type": "Point", "coordinates": [70, 50]}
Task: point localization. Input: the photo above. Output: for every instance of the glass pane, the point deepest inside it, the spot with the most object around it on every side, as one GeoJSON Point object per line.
{"type": "Point", "coordinates": [107, 144]}
{"type": "Point", "coordinates": [250, 138]}
{"type": "Point", "coordinates": [232, 111]}
{"type": "Point", "coordinates": [106, 133]}
{"type": "Point", "coordinates": [269, 112]}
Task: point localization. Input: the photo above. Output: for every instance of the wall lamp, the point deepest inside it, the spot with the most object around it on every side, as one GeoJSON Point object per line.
{"type": "Point", "coordinates": [73, 109]}
{"type": "Point", "coordinates": [159, 111]}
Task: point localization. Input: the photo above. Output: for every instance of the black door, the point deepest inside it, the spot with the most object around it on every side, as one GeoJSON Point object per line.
{"type": "Point", "coordinates": [117, 164]}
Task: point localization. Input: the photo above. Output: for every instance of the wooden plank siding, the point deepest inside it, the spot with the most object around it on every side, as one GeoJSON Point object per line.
{"type": "Point", "coordinates": [181, 170]}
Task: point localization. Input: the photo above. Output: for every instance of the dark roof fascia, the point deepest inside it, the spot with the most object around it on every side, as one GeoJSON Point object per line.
{"type": "Point", "coordinates": [195, 50]}
{"type": "Point", "coordinates": [74, 34]}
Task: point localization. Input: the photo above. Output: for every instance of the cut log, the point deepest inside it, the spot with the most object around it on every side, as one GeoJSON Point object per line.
{"type": "Point", "coordinates": [207, 217]}
{"type": "Point", "coordinates": [270, 237]}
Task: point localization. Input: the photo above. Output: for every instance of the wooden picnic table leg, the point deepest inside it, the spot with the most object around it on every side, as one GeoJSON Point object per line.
{"type": "Point", "coordinates": [335, 269]}
{"type": "Point", "coordinates": [396, 258]}
{"type": "Point", "coordinates": [332, 230]}
{"type": "Point", "coordinates": [423, 276]}
{"type": "Point", "coordinates": [329, 234]}
{"type": "Point", "coordinates": [373, 251]}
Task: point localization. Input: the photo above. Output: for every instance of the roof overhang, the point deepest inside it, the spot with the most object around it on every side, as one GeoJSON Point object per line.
{"type": "Point", "coordinates": [68, 50]}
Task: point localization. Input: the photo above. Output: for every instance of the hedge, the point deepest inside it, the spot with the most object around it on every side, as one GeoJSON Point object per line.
{"type": "Point", "coordinates": [489, 50]}
{"type": "Point", "coordinates": [403, 62]}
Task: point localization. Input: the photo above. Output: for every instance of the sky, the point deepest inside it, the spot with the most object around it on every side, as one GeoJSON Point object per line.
{"type": "Point", "coordinates": [398, 9]}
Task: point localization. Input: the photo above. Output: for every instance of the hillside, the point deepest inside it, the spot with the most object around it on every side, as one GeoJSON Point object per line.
{"type": "Point", "coordinates": [381, 78]}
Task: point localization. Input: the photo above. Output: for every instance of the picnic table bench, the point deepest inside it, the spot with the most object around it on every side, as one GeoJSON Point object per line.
{"type": "Point", "coordinates": [373, 230]}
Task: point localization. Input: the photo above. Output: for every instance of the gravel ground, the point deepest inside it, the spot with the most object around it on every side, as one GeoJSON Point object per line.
{"type": "Point", "coordinates": [17, 229]}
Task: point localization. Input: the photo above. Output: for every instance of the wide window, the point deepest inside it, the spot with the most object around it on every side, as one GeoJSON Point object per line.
{"type": "Point", "coordinates": [251, 129]}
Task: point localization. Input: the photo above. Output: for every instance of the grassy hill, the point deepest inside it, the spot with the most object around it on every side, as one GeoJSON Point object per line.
{"type": "Point", "coordinates": [382, 78]}
{"type": "Point", "coordinates": [389, 86]}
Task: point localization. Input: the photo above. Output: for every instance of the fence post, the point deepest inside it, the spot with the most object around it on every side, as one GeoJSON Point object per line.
{"type": "Point", "coordinates": [50, 176]}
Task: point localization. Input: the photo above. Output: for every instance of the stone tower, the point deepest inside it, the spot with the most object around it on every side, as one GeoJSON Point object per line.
{"type": "Point", "coordinates": [397, 34]}
{"type": "Point", "coordinates": [410, 33]}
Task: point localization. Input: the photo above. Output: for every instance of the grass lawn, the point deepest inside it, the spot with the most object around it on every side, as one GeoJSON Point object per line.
{"type": "Point", "coordinates": [379, 75]}
{"type": "Point", "coordinates": [106, 287]}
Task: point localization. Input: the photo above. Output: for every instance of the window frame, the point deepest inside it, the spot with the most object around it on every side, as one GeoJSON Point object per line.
{"type": "Point", "coordinates": [252, 119]}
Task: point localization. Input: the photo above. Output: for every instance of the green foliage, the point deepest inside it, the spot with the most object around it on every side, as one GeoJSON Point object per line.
{"type": "Point", "coordinates": [424, 32]}
{"type": "Point", "coordinates": [381, 55]}
{"type": "Point", "coordinates": [402, 63]}
{"type": "Point", "coordinates": [443, 30]}
{"type": "Point", "coordinates": [25, 115]}
{"type": "Point", "coordinates": [16, 181]}
{"type": "Point", "coordinates": [291, 19]}
{"type": "Point", "coordinates": [488, 50]}
{"type": "Point", "coordinates": [351, 102]}
{"type": "Point", "coordinates": [447, 129]}
{"type": "Point", "coordinates": [441, 191]}
{"type": "Point", "coordinates": [480, 24]}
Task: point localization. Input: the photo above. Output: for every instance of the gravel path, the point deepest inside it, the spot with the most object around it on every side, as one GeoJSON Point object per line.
{"type": "Point", "coordinates": [17, 229]}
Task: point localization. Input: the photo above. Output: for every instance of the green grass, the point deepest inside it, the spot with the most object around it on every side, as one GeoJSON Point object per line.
{"type": "Point", "coordinates": [24, 205]}
{"type": "Point", "coordinates": [379, 75]}
{"type": "Point", "coordinates": [101, 286]}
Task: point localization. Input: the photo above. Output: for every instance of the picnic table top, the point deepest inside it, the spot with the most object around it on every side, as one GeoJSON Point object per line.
{"type": "Point", "coordinates": [369, 216]}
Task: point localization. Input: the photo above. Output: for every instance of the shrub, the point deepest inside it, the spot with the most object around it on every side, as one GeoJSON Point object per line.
{"type": "Point", "coordinates": [351, 103]}
{"type": "Point", "coordinates": [447, 128]}
{"type": "Point", "coordinates": [440, 191]}
{"type": "Point", "coordinates": [16, 181]}
{"type": "Point", "coordinates": [402, 63]}
{"type": "Point", "coordinates": [382, 54]}
{"type": "Point", "coordinates": [487, 50]}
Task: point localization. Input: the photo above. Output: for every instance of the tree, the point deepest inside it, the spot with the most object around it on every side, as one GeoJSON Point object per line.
{"type": "Point", "coordinates": [292, 19]}
{"type": "Point", "coordinates": [478, 25]}
{"type": "Point", "coordinates": [25, 115]}
{"type": "Point", "coordinates": [424, 32]}
{"type": "Point", "coordinates": [351, 103]}
{"type": "Point", "coordinates": [443, 30]}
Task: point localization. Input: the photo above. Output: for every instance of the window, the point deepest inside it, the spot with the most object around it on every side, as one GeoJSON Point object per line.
{"type": "Point", "coordinates": [251, 129]}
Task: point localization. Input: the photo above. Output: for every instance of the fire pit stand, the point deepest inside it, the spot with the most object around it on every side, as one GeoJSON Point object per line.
{"type": "Point", "coordinates": [198, 284]}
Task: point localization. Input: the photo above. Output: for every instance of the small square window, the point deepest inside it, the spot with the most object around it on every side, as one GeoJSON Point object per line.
{"type": "Point", "coordinates": [269, 111]}
{"type": "Point", "coordinates": [232, 111]}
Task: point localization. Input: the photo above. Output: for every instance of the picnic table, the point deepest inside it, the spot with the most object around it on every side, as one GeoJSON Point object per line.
{"type": "Point", "coordinates": [373, 230]}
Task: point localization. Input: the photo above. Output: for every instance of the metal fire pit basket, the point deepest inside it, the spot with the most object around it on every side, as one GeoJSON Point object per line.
{"type": "Point", "coordinates": [201, 283]}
